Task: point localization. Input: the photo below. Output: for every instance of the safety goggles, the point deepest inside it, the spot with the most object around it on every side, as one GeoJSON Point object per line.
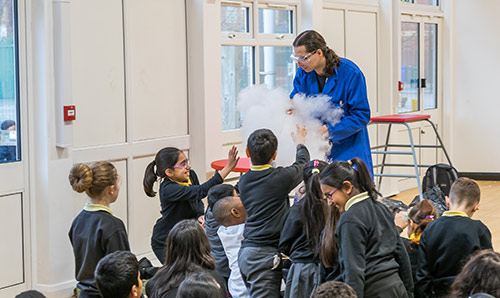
{"type": "Point", "coordinates": [183, 164]}
{"type": "Point", "coordinates": [302, 59]}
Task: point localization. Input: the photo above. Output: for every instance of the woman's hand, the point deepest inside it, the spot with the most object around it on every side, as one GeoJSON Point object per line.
{"type": "Point", "coordinates": [232, 161]}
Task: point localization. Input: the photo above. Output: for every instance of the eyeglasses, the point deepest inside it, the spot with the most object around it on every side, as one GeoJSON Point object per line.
{"type": "Point", "coordinates": [330, 194]}
{"type": "Point", "coordinates": [183, 164]}
{"type": "Point", "coordinates": [302, 59]}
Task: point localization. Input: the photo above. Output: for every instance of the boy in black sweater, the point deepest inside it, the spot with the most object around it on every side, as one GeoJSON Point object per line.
{"type": "Point", "coordinates": [264, 194]}
{"type": "Point", "coordinates": [448, 241]}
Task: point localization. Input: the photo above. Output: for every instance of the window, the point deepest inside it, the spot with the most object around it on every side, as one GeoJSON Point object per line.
{"type": "Point", "coordinates": [9, 95]}
{"type": "Point", "coordinates": [256, 49]}
{"type": "Point", "coordinates": [419, 66]}
{"type": "Point", "coordinates": [424, 2]}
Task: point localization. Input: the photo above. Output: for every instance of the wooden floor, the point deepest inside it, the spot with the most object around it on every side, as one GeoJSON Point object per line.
{"type": "Point", "coordinates": [489, 207]}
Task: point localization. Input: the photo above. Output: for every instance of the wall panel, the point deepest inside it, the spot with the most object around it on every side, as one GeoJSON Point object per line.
{"type": "Point", "coordinates": [11, 233]}
{"type": "Point", "coordinates": [98, 72]}
{"type": "Point", "coordinates": [155, 48]}
{"type": "Point", "coordinates": [333, 30]}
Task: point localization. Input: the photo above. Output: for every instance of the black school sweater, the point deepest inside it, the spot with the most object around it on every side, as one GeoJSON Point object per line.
{"type": "Point", "coordinates": [370, 248]}
{"type": "Point", "coordinates": [180, 202]}
{"type": "Point", "coordinates": [264, 195]}
{"type": "Point", "coordinates": [293, 241]}
{"type": "Point", "coordinates": [93, 235]}
{"type": "Point", "coordinates": [445, 245]}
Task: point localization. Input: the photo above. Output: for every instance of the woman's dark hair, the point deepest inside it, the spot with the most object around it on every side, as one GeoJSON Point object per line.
{"type": "Point", "coordinates": [165, 159]}
{"type": "Point", "coordinates": [481, 274]}
{"type": "Point", "coordinates": [187, 251]}
{"type": "Point", "coordinates": [313, 41]}
{"type": "Point", "coordinates": [329, 250]}
{"type": "Point", "coordinates": [337, 172]}
{"type": "Point", "coordinates": [422, 214]}
{"type": "Point", "coordinates": [199, 285]}
{"type": "Point", "coordinates": [314, 207]}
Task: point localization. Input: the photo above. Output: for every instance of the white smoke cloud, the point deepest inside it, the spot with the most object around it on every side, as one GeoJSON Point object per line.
{"type": "Point", "coordinates": [265, 108]}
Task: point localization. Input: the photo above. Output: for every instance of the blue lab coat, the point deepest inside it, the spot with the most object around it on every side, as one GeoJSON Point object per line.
{"type": "Point", "coordinates": [346, 89]}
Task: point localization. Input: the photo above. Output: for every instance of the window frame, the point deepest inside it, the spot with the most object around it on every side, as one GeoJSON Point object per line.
{"type": "Point", "coordinates": [256, 41]}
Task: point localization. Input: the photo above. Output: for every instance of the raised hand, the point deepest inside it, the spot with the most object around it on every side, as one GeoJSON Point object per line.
{"type": "Point", "coordinates": [299, 137]}
{"type": "Point", "coordinates": [232, 161]}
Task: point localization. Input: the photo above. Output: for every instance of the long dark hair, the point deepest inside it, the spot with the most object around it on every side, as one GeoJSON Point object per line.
{"type": "Point", "coordinates": [481, 274]}
{"type": "Point", "coordinates": [313, 41]}
{"type": "Point", "coordinates": [314, 206]}
{"type": "Point", "coordinates": [329, 250]}
{"type": "Point", "coordinates": [187, 251]}
{"type": "Point", "coordinates": [165, 159]}
{"type": "Point", "coordinates": [337, 172]}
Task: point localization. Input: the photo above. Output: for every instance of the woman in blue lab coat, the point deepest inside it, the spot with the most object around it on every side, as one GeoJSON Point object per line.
{"type": "Point", "coordinates": [321, 71]}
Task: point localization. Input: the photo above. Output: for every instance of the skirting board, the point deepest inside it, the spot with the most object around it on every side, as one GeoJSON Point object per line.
{"type": "Point", "coordinates": [64, 289]}
{"type": "Point", "coordinates": [481, 176]}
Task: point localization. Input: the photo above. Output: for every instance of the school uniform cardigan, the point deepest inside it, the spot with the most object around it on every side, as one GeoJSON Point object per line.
{"type": "Point", "coordinates": [293, 241]}
{"type": "Point", "coordinates": [180, 202]}
{"type": "Point", "coordinates": [264, 194]}
{"type": "Point", "coordinates": [370, 248]}
{"type": "Point", "coordinates": [94, 233]}
{"type": "Point", "coordinates": [444, 247]}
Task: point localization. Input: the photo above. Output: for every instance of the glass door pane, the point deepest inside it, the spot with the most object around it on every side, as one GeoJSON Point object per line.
{"type": "Point", "coordinates": [9, 97]}
{"type": "Point", "coordinates": [409, 67]}
{"type": "Point", "coordinates": [430, 68]}
{"type": "Point", "coordinates": [237, 74]}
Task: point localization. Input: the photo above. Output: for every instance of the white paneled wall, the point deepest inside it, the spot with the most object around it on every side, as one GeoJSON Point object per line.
{"type": "Point", "coordinates": [155, 51]}
{"type": "Point", "coordinates": [11, 233]}
{"type": "Point", "coordinates": [98, 72]}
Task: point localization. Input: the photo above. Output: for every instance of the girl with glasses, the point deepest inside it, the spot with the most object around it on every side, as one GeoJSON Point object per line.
{"type": "Point", "coordinates": [180, 191]}
{"type": "Point", "coordinates": [321, 71]}
{"type": "Point", "coordinates": [371, 255]}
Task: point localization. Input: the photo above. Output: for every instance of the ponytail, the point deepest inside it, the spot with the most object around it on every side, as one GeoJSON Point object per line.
{"type": "Point", "coordinates": [364, 179]}
{"type": "Point", "coordinates": [313, 214]}
{"type": "Point", "coordinates": [314, 208]}
{"type": "Point", "coordinates": [165, 159]}
{"type": "Point", "coordinates": [332, 61]}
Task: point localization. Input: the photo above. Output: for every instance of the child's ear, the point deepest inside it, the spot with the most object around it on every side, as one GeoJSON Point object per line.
{"type": "Point", "coordinates": [275, 154]}
{"type": "Point", "coordinates": [347, 186]}
{"type": "Point", "coordinates": [247, 152]}
{"type": "Point", "coordinates": [476, 207]}
{"type": "Point", "coordinates": [447, 199]}
{"type": "Point", "coordinates": [169, 172]}
{"type": "Point", "coordinates": [235, 213]}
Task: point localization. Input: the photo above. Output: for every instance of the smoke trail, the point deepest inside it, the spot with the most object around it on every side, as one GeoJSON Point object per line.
{"type": "Point", "coordinates": [265, 108]}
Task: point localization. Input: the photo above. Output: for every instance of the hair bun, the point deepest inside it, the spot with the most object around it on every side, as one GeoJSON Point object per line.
{"type": "Point", "coordinates": [80, 177]}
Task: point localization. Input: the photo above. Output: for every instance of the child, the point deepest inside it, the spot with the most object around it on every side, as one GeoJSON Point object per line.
{"type": "Point", "coordinates": [448, 241]}
{"type": "Point", "coordinates": [264, 194]}
{"type": "Point", "coordinates": [334, 289]}
{"type": "Point", "coordinates": [30, 294]}
{"type": "Point", "coordinates": [419, 216]}
{"type": "Point", "coordinates": [370, 252]}
{"type": "Point", "coordinates": [117, 276]}
{"type": "Point", "coordinates": [199, 285]}
{"type": "Point", "coordinates": [187, 252]}
{"type": "Point", "coordinates": [229, 212]}
{"type": "Point", "coordinates": [300, 239]}
{"type": "Point", "coordinates": [481, 274]}
{"type": "Point", "coordinates": [212, 226]}
{"type": "Point", "coordinates": [95, 232]}
{"type": "Point", "coordinates": [180, 193]}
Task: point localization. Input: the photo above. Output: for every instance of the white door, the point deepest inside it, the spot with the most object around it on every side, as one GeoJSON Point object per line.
{"type": "Point", "coordinates": [14, 211]}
